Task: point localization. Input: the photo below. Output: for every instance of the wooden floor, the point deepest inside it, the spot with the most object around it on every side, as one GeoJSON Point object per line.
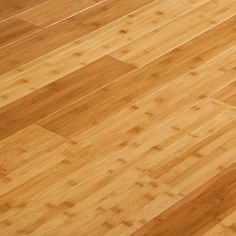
{"type": "Point", "coordinates": [118, 117]}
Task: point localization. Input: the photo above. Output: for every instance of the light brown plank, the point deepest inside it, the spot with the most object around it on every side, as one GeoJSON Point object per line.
{"type": "Point", "coordinates": [34, 140]}
{"type": "Point", "coordinates": [227, 94]}
{"type": "Point", "coordinates": [75, 27]}
{"type": "Point", "coordinates": [88, 195]}
{"type": "Point", "coordinates": [56, 10]}
{"type": "Point", "coordinates": [61, 93]}
{"type": "Point", "coordinates": [93, 145]}
{"type": "Point", "coordinates": [112, 99]}
{"type": "Point", "coordinates": [91, 47]}
{"type": "Point", "coordinates": [12, 7]}
{"type": "Point", "coordinates": [13, 29]}
{"type": "Point", "coordinates": [214, 199]}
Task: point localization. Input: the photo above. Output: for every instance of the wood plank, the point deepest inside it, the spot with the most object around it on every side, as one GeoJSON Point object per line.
{"type": "Point", "coordinates": [13, 7]}
{"type": "Point", "coordinates": [186, 218]}
{"type": "Point", "coordinates": [101, 105]}
{"type": "Point", "coordinates": [227, 94]}
{"type": "Point", "coordinates": [123, 180]}
{"type": "Point", "coordinates": [51, 12]}
{"type": "Point", "coordinates": [165, 143]}
{"type": "Point", "coordinates": [158, 42]}
{"type": "Point", "coordinates": [91, 144]}
{"type": "Point", "coordinates": [91, 47]}
{"type": "Point", "coordinates": [210, 155]}
{"type": "Point", "coordinates": [57, 95]}
{"type": "Point", "coordinates": [13, 29]}
{"type": "Point", "coordinates": [35, 140]}
{"type": "Point", "coordinates": [76, 27]}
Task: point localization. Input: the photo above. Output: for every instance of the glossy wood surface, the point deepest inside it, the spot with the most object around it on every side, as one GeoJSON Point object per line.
{"type": "Point", "coordinates": [118, 117]}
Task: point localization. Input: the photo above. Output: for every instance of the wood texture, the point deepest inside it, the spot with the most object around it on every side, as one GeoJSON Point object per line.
{"type": "Point", "coordinates": [51, 12]}
{"type": "Point", "coordinates": [87, 49]}
{"type": "Point", "coordinates": [14, 29]}
{"type": "Point", "coordinates": [118, 117]}
{"type": "Point", "coordinates": [59, 94]}
{"type": "Point", "coordinates": [54, 37]}
{"type": "Point", "coordinates": [227, 94]}
{"type": "Point", "coordinates": [12, 7]}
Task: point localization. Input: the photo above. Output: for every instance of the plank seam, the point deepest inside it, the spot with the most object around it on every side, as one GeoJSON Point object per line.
{"type": "Point", "coordinates": [223, 103]}
{"type": "Point", "coordinates": [151, 93]}
{"type": "Point", "coordinates": [76, 13]}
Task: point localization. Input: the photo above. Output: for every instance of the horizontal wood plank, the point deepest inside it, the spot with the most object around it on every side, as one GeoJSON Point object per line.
{"type": "Point", "coordinates": [14, 29]}
{"type": "Point", "coordinates": [51, 12]}
{"type": "Point", "coordinates": [61, 93]}
{"type": "Point", "coordinates": [76, 27]}
{"type": "Point", "coordinates": [214, 199]}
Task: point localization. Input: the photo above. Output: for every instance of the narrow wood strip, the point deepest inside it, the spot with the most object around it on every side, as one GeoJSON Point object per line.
{"type": "Point", "coordinates": [26, 146]}
{"type": "Point", "coordinates": [214, 152]}
{"type": "Point", "coordinates": [122, 179]}
{"type": "Point", "coordinates": [161, 145]}
{"type": "Point", "coordinates": [121, 94]}
{"type": "Point", "coordinates": [13, 7]}
{"type": "Point", "coordinates": [159, 41]}
{"type": "Point", "coordinates": [13, 29]}
{"type": "Point", "coordinates": [159, 170]}
{"type": "Point", "coordinates": [227, 94]}
{"type": "Point", "coordinates": [91, 47]}
{"type": "Point", "coordinates": [215, 198]}
{"type": "Point", "coordinates": [54, 37]}
{"type": "Point", "coordinates": [55, 10]}
{"type": "Point", "coordinates": [55, 96]}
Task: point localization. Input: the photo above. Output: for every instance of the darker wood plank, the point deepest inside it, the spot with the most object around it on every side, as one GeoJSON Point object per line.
{"type": "Point", "coordinates": [227, 94]}
{"type": "Point", "coordinates": [199, 211]}
{"type": "Point", "coordinates": [14, 29]}
{"type": "Point", "coordinates": [59, 94]}
{"type": "Point", "coordinates": [163, 70]}
{"type": "Point", "coordinates": [12, 7]}
{"type": "Point", "coordinates": [75, 27]}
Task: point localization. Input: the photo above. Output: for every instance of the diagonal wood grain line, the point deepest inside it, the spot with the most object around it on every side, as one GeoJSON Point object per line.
{"type": "Point", "coordinates": [214, 199]}
{"type": "Point", "coordinates": [117, 117]}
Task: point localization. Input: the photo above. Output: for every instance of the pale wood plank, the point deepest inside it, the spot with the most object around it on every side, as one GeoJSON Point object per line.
{"type": "Point", "coordinates": [84, 51]}
{"type": "Point", "coordinates": [159, 41]}
{"type": "Point", "coordinates": [115, 173]}
{"type": "Point", "coordinates": [57, 95]}
{"type": "Point", "coordinates": [227, 94]}
{"type": "Point", "coordinates": [91, 145]}
{"type": "Point", "coordinates": [14, 29]}
{"type": "Point", "coordinates": [112, 99]}
{"type": "Point", "coordinates": [13, 7]}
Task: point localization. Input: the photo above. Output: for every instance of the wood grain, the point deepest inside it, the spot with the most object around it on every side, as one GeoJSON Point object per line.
{"type": "Point", "coordinates": [59, 94]}
{"type": "Point", "coordinates": [117, 117]}
{"type": "Point", "coordinates": [76, 27]}
{"type": "Point", "coordinates": [12, 7]}
{"type": "Point", "coordinates": [14, 29]}
{"type": "Point", "coordinates": [51, 12]}
{"type": "Point", "coordinates": [227, 94]}
{"type": "Point", "coordinates": [139, 52]}
{"type": "Point", "coordinates": [81, 52]}
{"type": "Point", "coordinates": [214, 199]}
{"type": "Point", "coordinates": [123, 94]}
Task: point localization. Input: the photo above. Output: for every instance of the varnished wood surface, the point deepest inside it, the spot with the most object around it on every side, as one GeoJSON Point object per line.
{"type": "Point", "coordinates": [118, 117]}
